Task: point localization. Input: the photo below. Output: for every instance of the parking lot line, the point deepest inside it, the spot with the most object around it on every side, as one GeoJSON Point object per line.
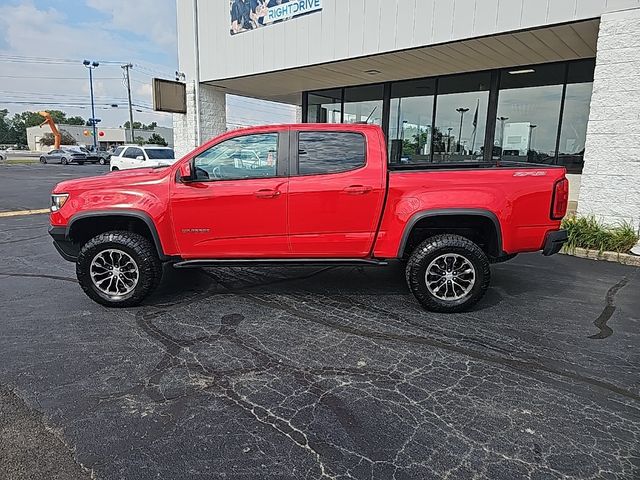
{"type": "Point", "coordinates": [17, 213]}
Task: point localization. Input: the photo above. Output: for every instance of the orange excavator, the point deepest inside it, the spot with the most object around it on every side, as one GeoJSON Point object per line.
{"type": "Point", "coordinates": [57, 138]}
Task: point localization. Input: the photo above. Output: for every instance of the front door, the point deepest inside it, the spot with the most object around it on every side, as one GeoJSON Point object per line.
{"type": "Point", "coordinates": [335, 195]}
{"type": "Point", "coordinates": [237, 207]}
{"type": "Point", "coordinates": [131, 158]}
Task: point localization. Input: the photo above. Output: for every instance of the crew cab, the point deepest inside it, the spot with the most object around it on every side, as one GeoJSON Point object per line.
{"type": "Point", "coordinates": [307, 194]}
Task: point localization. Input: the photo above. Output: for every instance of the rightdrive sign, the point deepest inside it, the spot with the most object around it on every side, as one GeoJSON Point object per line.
{"type": "Point", "coordinates": [249, 15]}
{"type": "Point", "coordinates": [294, 9]}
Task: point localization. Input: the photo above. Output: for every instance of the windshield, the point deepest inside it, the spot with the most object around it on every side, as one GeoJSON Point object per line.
{"type": "Point", "coordinates": [160, 153]}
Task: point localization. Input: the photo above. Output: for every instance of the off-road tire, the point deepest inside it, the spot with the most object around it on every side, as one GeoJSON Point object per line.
{"type": "Point", "coordinates": [431, 249]}
{"type": "Point", "coordinates": [141, 250]}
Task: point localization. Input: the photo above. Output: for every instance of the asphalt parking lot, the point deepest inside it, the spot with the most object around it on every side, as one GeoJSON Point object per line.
{"type": "Point", "coordinates": [289, 373]}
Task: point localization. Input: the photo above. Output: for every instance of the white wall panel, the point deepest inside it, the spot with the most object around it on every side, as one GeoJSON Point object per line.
{"type": "Point", "coordinates": [560, 10]}
{"type": "Point", "coordinates": [485, 17]}
{"type": "Point", "coordinates": [371, 23]}
{"type": "Point", "coordinates": [510, 14]}
{"type": "Point", "coordinates": [534, 12]}
{"type": "Point", "coordinates": [464, 12]}
{"type": "Point", "coordinates": [443, 21]}
{"type": "Point", "coordinates": [423, 24]}
{"type": "Point", "coordinates": [354, 28]}
{"type": "Point", "coordinates": [405, 18]}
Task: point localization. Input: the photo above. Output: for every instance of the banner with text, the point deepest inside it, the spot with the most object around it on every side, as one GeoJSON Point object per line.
{"type": "Point", "coordinates": [252, 14]}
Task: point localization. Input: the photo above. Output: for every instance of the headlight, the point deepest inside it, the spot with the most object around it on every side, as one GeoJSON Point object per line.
{"type": "Point", "coordinates": [58, 200]}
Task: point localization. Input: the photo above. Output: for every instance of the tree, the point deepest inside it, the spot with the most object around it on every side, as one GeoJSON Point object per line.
{"type": "Point", "coordinates": [136, 125]}
{"type": "Point", "coordinates": [151, 126]}
{"type": "Point", "coordinates": [138, 140]}
{"type": "Point", "coordinates": [6, 136]}
{"type": "Point", "coordinates": [75, 121]}
{"type": "Point", "coordinates": [67, 139]}
{"type": "Point", "coordinates": [156, 139]}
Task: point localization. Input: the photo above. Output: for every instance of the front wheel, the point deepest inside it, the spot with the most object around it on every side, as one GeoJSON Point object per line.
{"type": "Point", "coordinates": [114, 169]}
{"type": "Point", "coordinates": [448, 273]}
{"type": "Point", "coordinates": [102, 161]}
{"type": "Point", "coordinates": [118, 269]}
{"type": "Point", "coordinates": [64, 161]}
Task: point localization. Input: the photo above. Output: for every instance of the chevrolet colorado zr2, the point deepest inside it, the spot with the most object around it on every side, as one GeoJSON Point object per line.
{"type": "Point", "coordinates": [307, 194]}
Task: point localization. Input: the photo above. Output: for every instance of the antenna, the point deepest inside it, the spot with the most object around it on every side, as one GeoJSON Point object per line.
{"type": "Point", "coordinates": [371, 114]}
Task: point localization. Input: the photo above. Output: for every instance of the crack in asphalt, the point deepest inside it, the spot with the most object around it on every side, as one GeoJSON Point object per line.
{"type": "Point", "coordinates": [520, 365]}
{"type": "Point", "coordinates": [610, 307]}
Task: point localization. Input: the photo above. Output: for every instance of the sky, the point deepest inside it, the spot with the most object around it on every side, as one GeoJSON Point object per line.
{"type": "Point", "coordinates": [43, 43]}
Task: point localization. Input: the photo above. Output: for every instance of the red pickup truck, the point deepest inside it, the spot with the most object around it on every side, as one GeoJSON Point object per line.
{"type": "Point", "coordinates": [307, 194]}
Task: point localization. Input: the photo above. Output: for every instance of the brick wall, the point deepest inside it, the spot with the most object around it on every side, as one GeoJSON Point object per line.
{"type": "Point", "coordinates": [213, 119]}
{"type": "Point", "coordinates": [610, 187]}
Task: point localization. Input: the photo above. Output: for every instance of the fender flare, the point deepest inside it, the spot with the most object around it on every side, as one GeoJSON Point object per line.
{"type": "Point", "coordinates": [140, 215]}
{"type": "Point", "coordinates": [448, 212]}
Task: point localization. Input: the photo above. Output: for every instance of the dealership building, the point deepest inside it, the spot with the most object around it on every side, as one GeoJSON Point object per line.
{"type": "Point", "coordinates": [449, 81]}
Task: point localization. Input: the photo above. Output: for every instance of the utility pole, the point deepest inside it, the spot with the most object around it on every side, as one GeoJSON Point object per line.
{"type": "Point", "coordinates": [126, 74]}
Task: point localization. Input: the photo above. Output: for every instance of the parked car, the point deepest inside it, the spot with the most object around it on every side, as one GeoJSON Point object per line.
{"type": "Point", "coordinates": [135, 156]}
{"type": "Point", "coordinates": [64, 156]}
{"type": "Point", "coordinates": [3, 155]}
{"type": "Point", "coordinates": [96, 155]}
{"type": "Point", "coordinates": [317, 194]}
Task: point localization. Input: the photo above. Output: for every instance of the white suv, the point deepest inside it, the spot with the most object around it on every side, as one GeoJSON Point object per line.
{"type": "Point", "coordinates": [134, 156]}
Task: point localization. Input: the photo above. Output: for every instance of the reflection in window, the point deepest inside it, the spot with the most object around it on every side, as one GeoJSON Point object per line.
{"type": "Point", "coordinates": [410, 121]}
{"type": "Point", "coordinates": [528, 112]}
{"type": "Point", "coordinates": [461, 113]}
{"type": "Point", "coordinates": [248, 156]}
{"type": "Point", "coordinates": [325, 107]}
{"type": "Point", "coordinates": [363, 104]}
{"type": "Point", "coordinates": [576, 115]}
{"type": "Point", "coordinates": [329, 152]}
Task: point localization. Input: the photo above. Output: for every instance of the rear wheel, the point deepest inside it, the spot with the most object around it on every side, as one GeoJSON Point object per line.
{"type": "Point", "coordinates": [118, 269]}
{"type": "Point", "coordinates": [43, 160]}
{"type": "Point", "coordinates": [102, 161]}
{"type": "Point", "coordinates": [448, 273]}
{"type": "Point", "coordinates": [113, 169]}
{"type": "Point", "coordinates": [64, 161]}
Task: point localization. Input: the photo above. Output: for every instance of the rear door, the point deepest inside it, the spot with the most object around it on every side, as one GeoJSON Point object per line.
{"type": "Point", "coordinates": [336, 193]}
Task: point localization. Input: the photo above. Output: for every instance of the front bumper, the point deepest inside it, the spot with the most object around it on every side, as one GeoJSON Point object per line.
{"type": "Point", "coordinates": [554, 242]}
{"type": "Point", "coordinates": [65, 247]}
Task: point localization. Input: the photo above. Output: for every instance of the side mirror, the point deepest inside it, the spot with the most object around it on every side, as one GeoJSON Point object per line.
{"type": "Point", "coordinates": [140, 157]}
{"type": "Point", "coordinates": [186, 174]}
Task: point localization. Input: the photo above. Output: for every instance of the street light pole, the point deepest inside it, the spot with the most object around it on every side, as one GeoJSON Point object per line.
{"type": "Point", "coordinates": [91, 66]}
{"type": "Point", "coordinates": [502, 120]}
{"type": "Point", "coordinates": [461, 111]}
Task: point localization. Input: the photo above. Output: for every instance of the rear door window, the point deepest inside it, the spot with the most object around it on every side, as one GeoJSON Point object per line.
{"type": "Point", "coordinates": [330, 152]}
{"type": "Point", "coordinates": [118, 151]}
{"type": "Point", "coordinates": [133, 152]}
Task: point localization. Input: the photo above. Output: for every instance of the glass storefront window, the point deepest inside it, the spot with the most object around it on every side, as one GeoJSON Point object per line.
{"type": "Point", "coordinates": [528, 113]}
{"type": "Point", "coordinates": [576, 116]}
{"type": "Point", "coordinates": [363, 104]}
{"type": "Point", "coordinates": [461, 114]}
{"type": "Point", "coordinates": [410, 121]}
{"type": "Point", "coordinates": [325, 106]}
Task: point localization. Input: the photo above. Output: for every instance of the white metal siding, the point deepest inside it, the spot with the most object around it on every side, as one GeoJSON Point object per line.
{"type": "Point", "coordinates": [354, 28]}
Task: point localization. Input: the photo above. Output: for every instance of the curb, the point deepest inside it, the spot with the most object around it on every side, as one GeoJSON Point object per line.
{"type": "Point", "coordinates": [622, 258]}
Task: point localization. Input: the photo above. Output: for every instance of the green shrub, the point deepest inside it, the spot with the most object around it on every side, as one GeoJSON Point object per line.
{"type": "Point", "coordinates": [587, 232]}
